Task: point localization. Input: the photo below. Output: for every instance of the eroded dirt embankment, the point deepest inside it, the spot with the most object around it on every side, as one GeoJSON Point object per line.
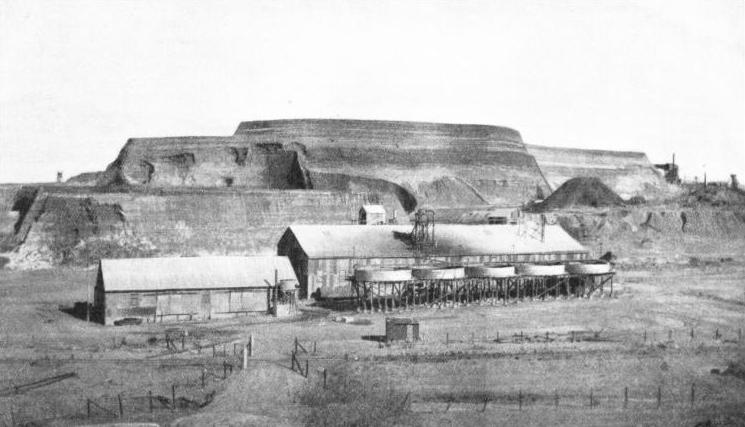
{"type": "Point", "coordinates": [658, 234]}
{"type": "Point", "coordinates": [80, 228]}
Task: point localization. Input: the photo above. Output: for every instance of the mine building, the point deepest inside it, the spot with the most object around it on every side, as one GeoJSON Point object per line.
{"type": "Point", "coordinates": [372, 215]}
{"type": "Point", "coordinates": [194, 288]}
{"type": "Point", "coordinates": [324, 257]}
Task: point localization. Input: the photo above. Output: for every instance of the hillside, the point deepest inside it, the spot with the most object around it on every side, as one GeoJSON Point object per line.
{"type": "Point", "coordinates": [439, 164]}
{"type": "Point", "coordinates": [79, 226]}
{"type": "Point", "coordinates": [627, 173]}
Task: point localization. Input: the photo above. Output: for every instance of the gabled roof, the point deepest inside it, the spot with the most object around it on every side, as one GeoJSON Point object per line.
{"type": "Point", "coordinates": [152, 274]}
{"type": "Point", "coordinates": [374, 209]}
{"type": "Point", "coordinates": [389, 241]}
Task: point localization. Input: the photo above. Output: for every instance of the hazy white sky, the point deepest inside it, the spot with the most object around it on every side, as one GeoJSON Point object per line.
{"type": "Point", "coordinates": [77, 78]}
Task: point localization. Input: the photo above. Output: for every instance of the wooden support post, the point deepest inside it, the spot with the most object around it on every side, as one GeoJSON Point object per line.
{"type": "Point", "coordinates": [224, 370]}
{"type": "Point", "coordinates": [314, 347]}
{"type": "Point", "coordinates": [306, 368]}
{"type": "Point", "coordinates": [150, 398]}
{"type": "Point", "coordinates": [250, 345]}
{"type": "Point", "coordinates": [121, 407]}
{"type": "Point", "coordinates": [486, 402]}
{"type": "Point", "coordinates": [591, 403]}
{"type": "Point", "coordinates": [370, 287]}
{"type": "Point", "coordinates": [447, 339]}
{"type": "Point", "coordinates": [213, 350]}
{"type": "Point", "coordinates": [716, 334]}
{"type": "Point", "coordinates": [203, 377]}
{"type": "Point", "coordinates": [324, 378]}
{"type": "Point", "coordinates": [173, 397]}
{"type": "Point", "coordinates": [245, 357]}
{"type": "Point", "coordinates": [183, 342]}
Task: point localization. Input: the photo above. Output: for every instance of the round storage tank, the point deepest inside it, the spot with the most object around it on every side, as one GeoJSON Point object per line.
{"type": "Point", "coordinates": [438, 273]}
{"type": "Point", "coordinates": [382, 274]}
{"type": "Point", "coordinates": [541, 269]}
{"type": "Point", "coordinates": [490, 270]}
{"type": "Point", "coordinates": [589, 267]}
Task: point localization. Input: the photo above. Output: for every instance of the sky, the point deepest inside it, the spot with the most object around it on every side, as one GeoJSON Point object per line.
{"type": "Point", "coordinates": [77, 78]}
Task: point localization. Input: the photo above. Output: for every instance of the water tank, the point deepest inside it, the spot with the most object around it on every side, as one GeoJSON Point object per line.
{"type": "Point", "coordinates": [382, 274]}
{"type": "Point", "coordinates": [440, 273]}
{"type": "Point", "coordinates": [490, 270]}
{"type": "Point", "coordinates": [555, 269]}
{"type": "Point", "coordinates": [589, 267]}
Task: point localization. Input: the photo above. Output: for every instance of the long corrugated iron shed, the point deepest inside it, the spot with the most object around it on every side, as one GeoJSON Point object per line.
{"type": "Point", "coordinates": [389, 241]}
{"type": "Point", "coordinates": [212, 272]}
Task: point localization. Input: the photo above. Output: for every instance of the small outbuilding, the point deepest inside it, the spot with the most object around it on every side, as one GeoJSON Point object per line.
{"type": "Point", "coordinates": [194, 288]}
{"type": "Point", "coordinates": [372, 215]}
{"type": "Point", "coordinates": [401, 329]}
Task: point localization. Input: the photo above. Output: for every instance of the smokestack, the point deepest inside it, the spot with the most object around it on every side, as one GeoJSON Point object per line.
{"type": "Point", "coordinates": [735, 184]}
{"type": "Point", "coordinates": [673, 159]}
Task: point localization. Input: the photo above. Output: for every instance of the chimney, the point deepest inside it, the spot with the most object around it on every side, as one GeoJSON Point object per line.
{"type": "Point", "coordinates": [59, 176]}
{"type": "Point", "coordinates": [735, 184]}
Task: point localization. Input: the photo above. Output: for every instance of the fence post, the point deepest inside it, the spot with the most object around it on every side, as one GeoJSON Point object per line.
{"type": "Point", "coordinates": [324, 378]}
{"type": "Point", "coordinates": [245, 357]}
{"type": "Point", "coordinates": [251, 345]}
{"type": "Point", "coordinates": [295, 344]}
{"type": "Point", "coordinates": [659, 396]}
{"type": "Point", "coordinates": [693, 393]}
{"type": "Point", "coordinates": [306, 368]}
{"type": "Point", "coordinates": [625, 397]}
{"type": "Point", "coordinates": [520, 399]}
{"type": "Point", "coordinates": [173, 397]}
{"type": "Point", "coordinates": [150, 399]}
{"type": "Point", "coordinates": [121, 408]}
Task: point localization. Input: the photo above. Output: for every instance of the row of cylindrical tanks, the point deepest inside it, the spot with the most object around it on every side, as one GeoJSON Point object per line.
{"type": "Point", "coordinates": [427, 272]}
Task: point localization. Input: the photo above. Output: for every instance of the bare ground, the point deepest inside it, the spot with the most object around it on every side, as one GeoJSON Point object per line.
{"type": "Point", "coordinates": [471, 368]}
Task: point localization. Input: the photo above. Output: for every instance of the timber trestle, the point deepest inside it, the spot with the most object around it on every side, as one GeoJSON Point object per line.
{"type": "Point", "coordinates": [389, 296]}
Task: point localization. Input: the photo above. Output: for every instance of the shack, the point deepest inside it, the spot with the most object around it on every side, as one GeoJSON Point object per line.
{"type": "Point", "coordinates": [194, 288]}
{"type": "Point", "coordinates": [372, 215]}
{"type": "Point", "coordinates": [325, 256]}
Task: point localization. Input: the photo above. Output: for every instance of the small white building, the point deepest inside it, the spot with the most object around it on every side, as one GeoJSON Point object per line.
{"type": "Point", "coordinates": [372, 215]}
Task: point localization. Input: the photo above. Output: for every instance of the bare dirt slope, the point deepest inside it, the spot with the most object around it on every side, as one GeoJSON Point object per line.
{"type": "Point", "coordinates": [627, 173]}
